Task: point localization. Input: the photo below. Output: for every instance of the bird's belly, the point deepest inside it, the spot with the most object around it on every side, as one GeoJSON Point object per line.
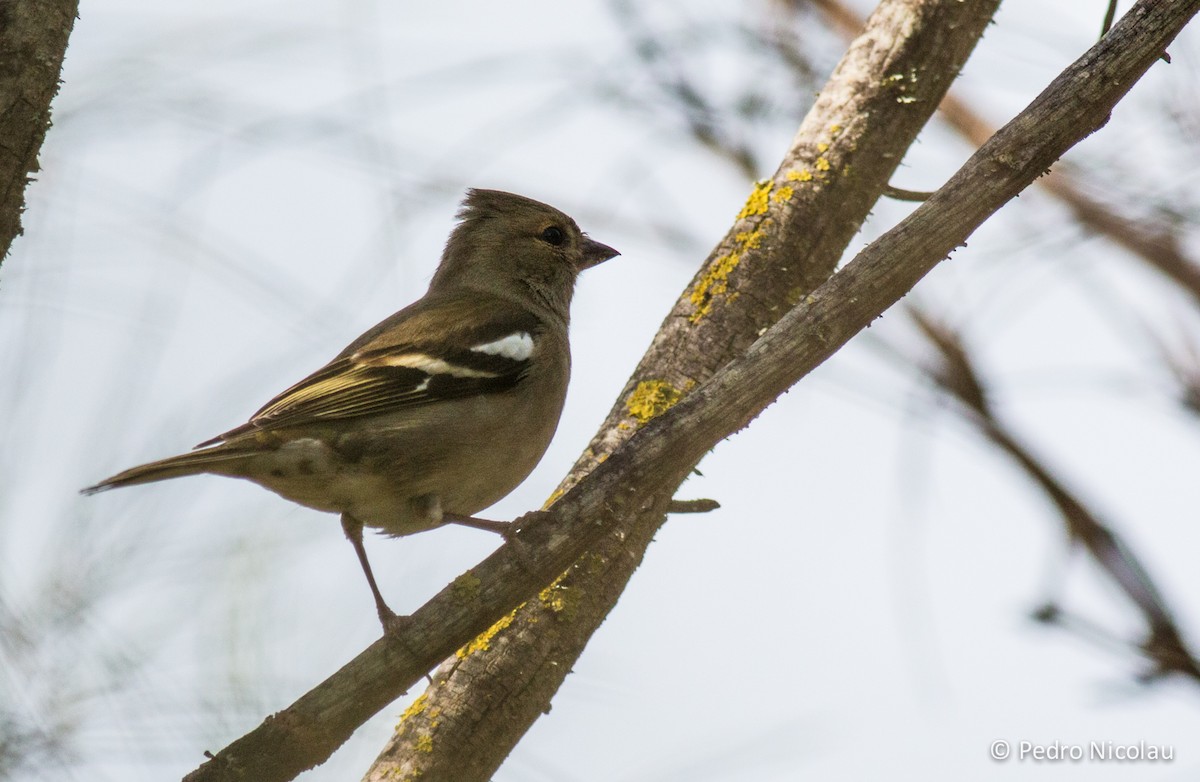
{"type": "Point", "coordinates": [376, 476]}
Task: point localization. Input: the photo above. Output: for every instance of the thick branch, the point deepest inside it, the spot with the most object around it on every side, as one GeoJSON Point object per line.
{"type": "Point", "coordinates": [516, 677]}
{"type": "Point", "coordinates": [33, 40]}
{"type": "Point", "coordinates": [786, 241]}
{"type": "Point", "coordinates": [633, 480]}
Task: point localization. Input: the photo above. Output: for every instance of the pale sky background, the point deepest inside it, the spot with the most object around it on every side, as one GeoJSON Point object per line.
{"type": "Point", "coordinates": [232, 191]}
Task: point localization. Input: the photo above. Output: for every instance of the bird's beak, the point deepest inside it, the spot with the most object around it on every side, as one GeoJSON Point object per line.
{"type": "Point", "coordinates": [594, 253]}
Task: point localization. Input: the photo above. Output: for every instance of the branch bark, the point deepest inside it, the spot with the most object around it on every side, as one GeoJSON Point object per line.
{"type": "Point", "coordinates": [627, 493]}
{"type": "Point", "coordinates": [33, 41]}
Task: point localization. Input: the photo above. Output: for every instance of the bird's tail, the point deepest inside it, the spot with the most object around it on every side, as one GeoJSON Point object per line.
{"type": "Point", "coordinates": [221, 460]}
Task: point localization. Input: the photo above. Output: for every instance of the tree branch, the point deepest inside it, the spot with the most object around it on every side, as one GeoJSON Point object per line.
{"type": "Point", "coordinates": [786, 241]}
{"type": "Point", "coordinates": [33, 40]}
{"type": "Point", "coordinates": [639, 478]}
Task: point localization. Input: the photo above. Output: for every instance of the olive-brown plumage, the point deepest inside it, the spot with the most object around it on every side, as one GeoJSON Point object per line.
{"type": "Point", "coordinates": [440, 410]}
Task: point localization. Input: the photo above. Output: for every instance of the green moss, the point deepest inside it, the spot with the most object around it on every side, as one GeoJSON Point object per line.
{"type": "Point", "coordinates": [465, 588]}
{"type": "Point", "coordinates": [562, 600]}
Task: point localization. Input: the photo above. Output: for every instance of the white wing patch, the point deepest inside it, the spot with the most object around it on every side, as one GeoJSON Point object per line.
{"type": "Point", "coordinates": [517, 346]}
{"type": "Point", "coordinates": [429, 365]}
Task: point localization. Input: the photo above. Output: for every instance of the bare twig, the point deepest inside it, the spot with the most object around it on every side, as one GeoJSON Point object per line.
{"type": "Point", "coordinates": [900, 194]}
{"type": "Point", "coordinates": [1109, 14]}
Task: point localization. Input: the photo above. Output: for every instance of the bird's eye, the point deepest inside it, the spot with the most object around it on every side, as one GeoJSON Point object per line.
{"type": "Point", "coordinates": [554, 235]}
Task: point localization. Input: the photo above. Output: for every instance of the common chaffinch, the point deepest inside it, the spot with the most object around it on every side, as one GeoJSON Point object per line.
{"type": "Point", "coordinates": [440, 410]}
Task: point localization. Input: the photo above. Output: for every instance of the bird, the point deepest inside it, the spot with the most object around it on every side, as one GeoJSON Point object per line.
{"type": "Point", "coordinates": [441, 409]}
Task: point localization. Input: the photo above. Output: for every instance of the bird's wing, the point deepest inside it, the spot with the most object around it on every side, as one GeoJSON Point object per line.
{"type": "Point", "coordinates": [431, 352]}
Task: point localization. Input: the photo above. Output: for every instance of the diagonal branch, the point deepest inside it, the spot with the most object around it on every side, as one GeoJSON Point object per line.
{"type": "Point", "coordinates": [481, 704]}
{"type": "Point", "coordinates": [640, 477]}
{"type": "Point", "coordinates": [785, 242]}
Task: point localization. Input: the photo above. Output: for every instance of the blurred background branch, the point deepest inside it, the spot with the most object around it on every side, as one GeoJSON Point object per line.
{"type": "Point", "coordinates": [953, 372]}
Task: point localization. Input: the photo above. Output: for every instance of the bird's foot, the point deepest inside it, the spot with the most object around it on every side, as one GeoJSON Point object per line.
{"type": "Point", "coordinates": [520, 549]}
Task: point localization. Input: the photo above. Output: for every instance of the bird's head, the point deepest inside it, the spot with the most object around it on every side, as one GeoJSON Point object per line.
{"type": "Point", "coordinates": [509, 244]}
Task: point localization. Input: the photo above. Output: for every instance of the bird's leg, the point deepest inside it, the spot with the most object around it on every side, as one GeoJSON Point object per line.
{"type": "Point", "coordinates": [431, 506]}
{"type": "Point", "coordinates": [503, 528]}
{"type": "Point", "coordinates": [391, 621]}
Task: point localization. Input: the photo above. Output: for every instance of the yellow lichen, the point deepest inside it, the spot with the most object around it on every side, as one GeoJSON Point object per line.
{"type": "Point", "coordinates": [757, 203]}
{"type": "Point", "coordinates": [425, 743]}
{"type": "Point", "coordinates": [835, 129]}
{"type": "Point", "coordinates": [822, 164]}
{"type": "Point", "coordinates": [562, 600]}
{"type": "Point", "coordinates": [553, 498]}
{"type": "Point", "coordinates": [784, 193]}
{"type": "Point", "coordinates": [716, 279]}
{"type": "Point", "coordinates": [416, 707]}
{"type": "Point", "coordinates": [466, 587]}
{"type": "Point", "coordinates": [750, 240]}
{"type": "Point", "coordinates": [822, 147]}
{"type": "Point", "coordinates": [651, 398]}
{"type": "Point", "coordinates": [800, 176]}
{"type": "Point", "coordinates": [714, 282]}
{"type": "Point", "coordinates": [483, 641]}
